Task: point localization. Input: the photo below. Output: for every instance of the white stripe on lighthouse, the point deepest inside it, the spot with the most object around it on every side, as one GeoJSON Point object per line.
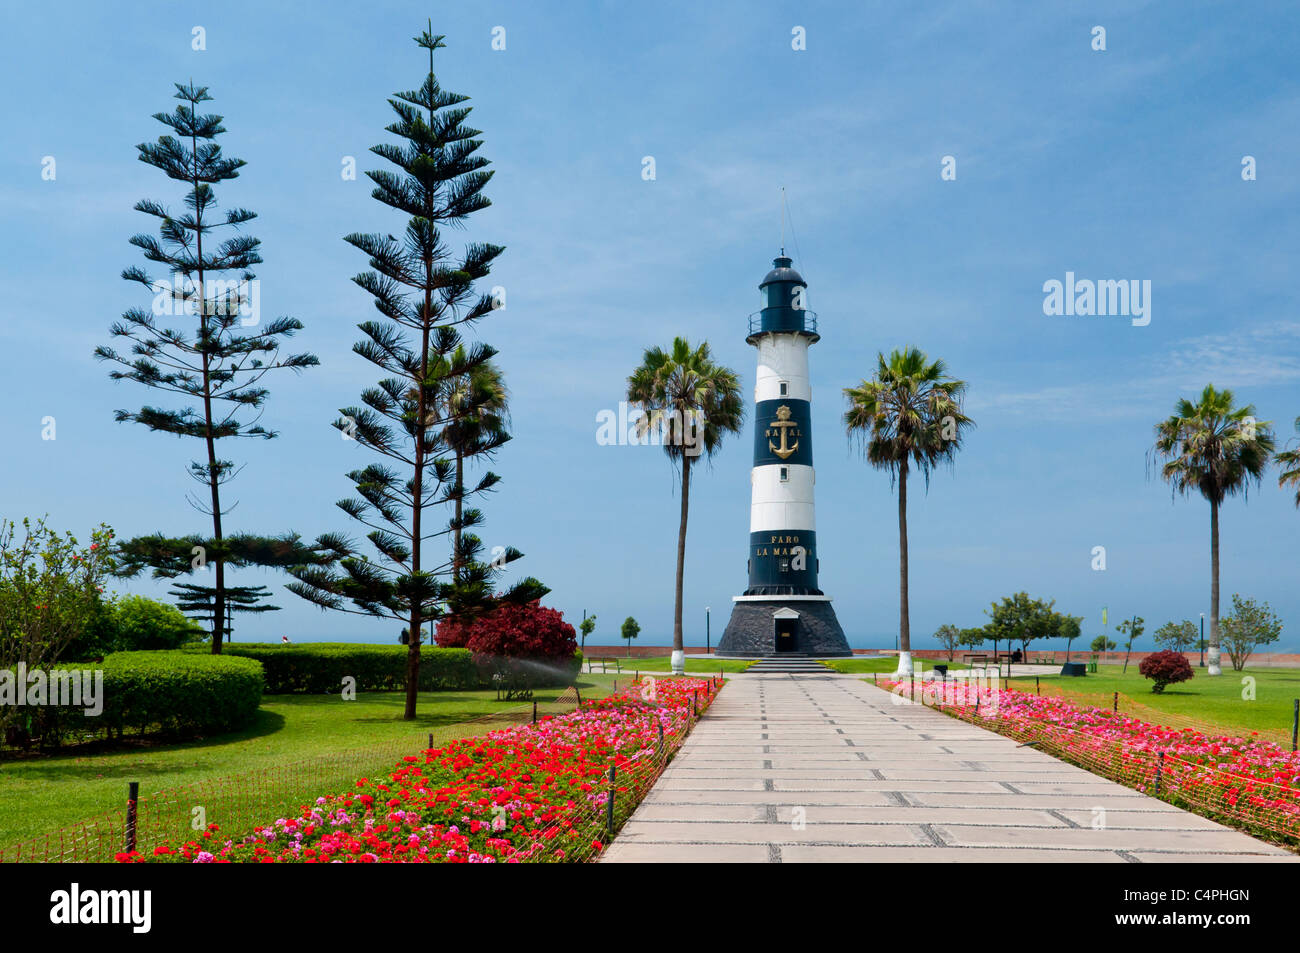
{"type": "Point", "coordinates": [776, 505]}
{"type": "Point", "coordinates": [782, 357]}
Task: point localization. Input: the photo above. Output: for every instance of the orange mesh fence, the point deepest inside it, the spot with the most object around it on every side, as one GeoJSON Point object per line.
{"type": "Point", "coordinates": [237, 802]}
{"type": "Point", "coordinates": [589, 831]}
{"type": "Point", "coordinates": [241, 802]}
{"type": "Point", "coordinates": [1243, 781]}
{"type": "Point", "coordinates": [1127, 705]}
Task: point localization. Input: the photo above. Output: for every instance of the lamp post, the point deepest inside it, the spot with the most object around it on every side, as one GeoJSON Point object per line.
{"type": "Point", "coordinates": [708, 640]}
{"type": "Point", "coordinates": [1202, 640]}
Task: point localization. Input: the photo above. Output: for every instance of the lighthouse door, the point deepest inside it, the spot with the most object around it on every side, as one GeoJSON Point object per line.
{"type": "Point", "coordinates": [785, 634]}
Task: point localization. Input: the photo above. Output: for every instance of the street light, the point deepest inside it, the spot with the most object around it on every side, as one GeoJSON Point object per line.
{"type": "Point", "coordinates": [1202, 640]}
{"type": "Point", "coordinates": [708, 642]}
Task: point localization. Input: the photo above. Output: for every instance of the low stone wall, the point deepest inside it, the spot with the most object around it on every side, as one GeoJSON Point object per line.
{"type": "Point", "coordinates": [1257, 660]}
{"type": "Point", "coordinates": [637, 651]}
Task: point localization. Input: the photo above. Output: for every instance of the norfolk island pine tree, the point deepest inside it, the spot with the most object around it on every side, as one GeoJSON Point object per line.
{"type": "Point", "coordinates": [221, 365]}
{"type": "Point", "coordinates": [419, 289]}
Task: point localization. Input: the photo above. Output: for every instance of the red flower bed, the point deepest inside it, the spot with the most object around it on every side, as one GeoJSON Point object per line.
{"type": "Point", "coordinates": [536, 792]}
{"type": "Point", "coordinates": [1245, 780]}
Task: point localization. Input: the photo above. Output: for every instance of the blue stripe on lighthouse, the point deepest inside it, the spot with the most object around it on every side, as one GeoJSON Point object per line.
{"type": "Point", "coordinates": [783, 562]}
{"type": "Point", "coordinates": [782, 432]}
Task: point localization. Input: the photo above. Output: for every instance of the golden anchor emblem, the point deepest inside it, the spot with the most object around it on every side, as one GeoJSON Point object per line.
{"type": "Point", "coordinates": [783, 423]}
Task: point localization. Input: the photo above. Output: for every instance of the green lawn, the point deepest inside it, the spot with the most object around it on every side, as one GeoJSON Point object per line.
{"type": "Point", "coordinates": [40, 793]}
{"type": "Point", "coordinates": [663, 663]}
{"type": "Point", "coordinates": [860, 666]}
{"type": "Point", "coordinates": [1216, 700]}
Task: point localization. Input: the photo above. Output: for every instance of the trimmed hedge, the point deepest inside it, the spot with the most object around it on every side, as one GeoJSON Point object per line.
{"type": "Point", "coordinates": [178, 695]}
{"type": "Point", "coordinates": [318, 668]}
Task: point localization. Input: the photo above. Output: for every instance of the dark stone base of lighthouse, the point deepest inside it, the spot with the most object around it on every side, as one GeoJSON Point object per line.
{"type": "Point", "coordinates": [775, 627]}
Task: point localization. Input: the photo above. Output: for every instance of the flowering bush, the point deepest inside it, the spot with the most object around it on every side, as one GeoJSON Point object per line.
{"type": "Point", "coordinates": [1165, 668]}
{"type": "Point", "coordinates": [50, 589]}
{"type": "Point", "coordinates": [535, 792]}
{"type": "Point", "coordinates": [1246, 780]}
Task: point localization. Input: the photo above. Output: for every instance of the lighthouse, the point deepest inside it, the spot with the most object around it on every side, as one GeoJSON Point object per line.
{"type": "Point", "coordinates": [782, 610]}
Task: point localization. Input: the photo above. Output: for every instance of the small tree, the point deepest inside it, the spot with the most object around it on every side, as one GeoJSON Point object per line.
{"type": "Point", "coordinates": [1103, 643]}
{"type": "Point", "coordinates": [1022, 619]}
{"type": "Point", "coordinates": [1176, 636]}
{"type": "Point", "coordinates": [588, 626]}
{"type": "Point", "coordinates": [971, 638]}
{"type": "Point", "coordinates": [1068, 627]}
{"type": "Point", "coordinates": [949, 636]}
{"type": "Point", "coordinates": [1249, 626]}
{"type": "Point", "coordinates": [630, 631]}
{"type": "Point", "coordinates": [1165, 668]}
{"type": "Point", "coordinates": [1133, 628]}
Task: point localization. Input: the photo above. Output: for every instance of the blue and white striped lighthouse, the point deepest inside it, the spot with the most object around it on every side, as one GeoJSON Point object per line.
{"type": "Point", "coordinates": [782, 610]}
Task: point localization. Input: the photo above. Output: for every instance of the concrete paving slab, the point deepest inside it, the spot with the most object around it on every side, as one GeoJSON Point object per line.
{"type": "Point", "coordinates": [796, 769]}
{"type": "Point", "coordinates": [831, 854]}
{"type": "Point", "coordinates": [709, 832]}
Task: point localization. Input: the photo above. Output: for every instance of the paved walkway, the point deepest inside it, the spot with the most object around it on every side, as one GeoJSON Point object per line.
{"type": "Point", "coordinates": [827, 768]}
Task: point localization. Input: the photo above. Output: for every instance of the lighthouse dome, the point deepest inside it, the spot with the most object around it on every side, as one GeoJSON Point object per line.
{"type": "Point", "coordinates": [781, 271]}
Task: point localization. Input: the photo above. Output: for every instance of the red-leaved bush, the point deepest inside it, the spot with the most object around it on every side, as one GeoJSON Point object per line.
{"type": "Point", "coordinates": [452, 634]}
{"type": "Point", "coordinates": [522, 645]}
{"type": "Point", "coordinates": [1165, 668]}
{"type": "Point", "coordinates": [530, 631]}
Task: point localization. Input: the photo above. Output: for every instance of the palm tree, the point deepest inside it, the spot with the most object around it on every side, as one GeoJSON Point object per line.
{"type": "Point", "coordinates": [1290, 463]}
{"type": "Point", "coordinates": [479, 421]}
{"type": "Point", "coordinates": [472, 417]}
{"type": "Point", "coordinates": [1217, 450]}
{"type": "Point", "coordinates": [692, 403]}
{"type": "Point", "coordinates": [908, 416]}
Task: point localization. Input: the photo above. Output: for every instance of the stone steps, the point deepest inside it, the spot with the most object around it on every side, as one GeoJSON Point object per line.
{"type": "Point", "coordinates": [788, 664]}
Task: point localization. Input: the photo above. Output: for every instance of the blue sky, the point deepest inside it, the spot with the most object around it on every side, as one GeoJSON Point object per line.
{"type": "Point", "coordinates": [1115, 164]}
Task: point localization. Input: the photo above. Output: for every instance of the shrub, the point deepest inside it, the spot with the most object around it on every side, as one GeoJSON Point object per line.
{"type": "Point", "coordinates": [320, 667]}
{"type": "Point", "coordinates": [96, 636]}
{"type": "Point", "coordinates": [50, 588]}
{"type": "Point", "coordinates": [525, 647]}
{"type": "Point", "coordinates": [1165, 668]}
{"type": "Point", "coordinates": [145, 624]}
{"type": "Point", "coordinates": [178, 695]}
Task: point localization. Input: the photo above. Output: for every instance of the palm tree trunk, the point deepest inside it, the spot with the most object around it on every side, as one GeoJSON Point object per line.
{"type": "Point", "coordinates": [1212, 663]}
{"type": "Point", "coordinates": [679, 661]}
{"type": "Point", "coordinates": [904, 622]}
